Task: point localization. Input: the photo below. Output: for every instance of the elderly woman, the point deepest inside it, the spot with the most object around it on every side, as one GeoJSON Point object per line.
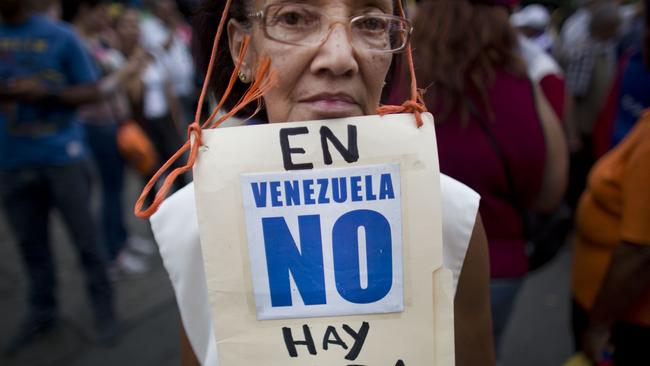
{"type": "Point", "coordinates": [327, 68]}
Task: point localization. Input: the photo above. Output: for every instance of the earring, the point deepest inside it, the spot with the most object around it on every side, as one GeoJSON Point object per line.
{"type": "Point", "coordinates": [243, 77]}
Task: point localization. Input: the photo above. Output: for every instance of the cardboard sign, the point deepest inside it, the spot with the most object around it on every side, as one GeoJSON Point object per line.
{"type": "Point", "coordinates": [322, 243]}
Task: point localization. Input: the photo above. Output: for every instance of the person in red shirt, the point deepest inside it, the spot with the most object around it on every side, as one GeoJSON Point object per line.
{"type": "Point", "coordinates": [490, 135]}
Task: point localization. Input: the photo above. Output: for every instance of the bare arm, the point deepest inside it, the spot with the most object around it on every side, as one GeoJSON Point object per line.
{"type": "Point", "coordinates": [556, 168]}
{"type": "Point", "coordinates": [627, 277]}
{"type": "Point", "coordinates": [174, 107]}
{"type": "Point", "coordinates": [188, 358]}
{"type": "Point", "coordinates": [31, 89]}
{"type": "Point", "coordinates": [472, 319]}
{"type": "Point", "coordinates": [72, 96]}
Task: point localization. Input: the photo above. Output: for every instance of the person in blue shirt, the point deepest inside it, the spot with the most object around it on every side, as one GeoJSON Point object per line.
{"type": "Point", "coordinates": [44, 74]}
{"type": "Point", "coordinates": [634, 93]}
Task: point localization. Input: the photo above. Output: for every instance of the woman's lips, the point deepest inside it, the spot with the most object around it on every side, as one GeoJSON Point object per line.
{"type": "Point", "coordinates": [328, 105]}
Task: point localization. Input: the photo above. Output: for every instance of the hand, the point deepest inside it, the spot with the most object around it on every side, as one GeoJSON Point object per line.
{"type": "Point", "coordinates": [133, 66]}
{"type": "Point", "coordinates": [595, 342]}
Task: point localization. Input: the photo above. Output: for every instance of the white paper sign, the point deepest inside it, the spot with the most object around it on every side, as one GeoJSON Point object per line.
{"type": "Point", "coordinates": [417, 331]}
{"type": "Point", "coordinates": [325, 242]}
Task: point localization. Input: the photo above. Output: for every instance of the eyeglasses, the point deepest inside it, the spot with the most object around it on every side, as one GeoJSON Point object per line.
{"type": "Point", "coordinates": [306, 25]}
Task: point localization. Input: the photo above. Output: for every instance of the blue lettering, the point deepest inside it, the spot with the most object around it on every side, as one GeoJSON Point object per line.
{"type": "Point", "coordinates": [386, 187]}
{"type": "Point", "coordinates": [345, 247]}
{"type": "Point", "coordinates": [355, 184]}
{"type": "Point", "coordinates": [339, 190]}
{"type": "Point", "coordinates": [370, 196]}
{"type": "Point", "coordinates": [275, 194]}
{"type": "Point", "coordinates": [259, 194]}
{"type": "Point", "coordinates": [292, 193]}
{"type": "Point", "coordinates": [322, 192]}
{"type": "Point", "coordinates": [305, 265]}
{"type": "Point", "coordinates": [308, 188]}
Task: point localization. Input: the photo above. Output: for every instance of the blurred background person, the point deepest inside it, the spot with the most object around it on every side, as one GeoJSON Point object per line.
{"type": "Point", "coordinates": [541, 66]}
{"type": "Point", "coordinates": [611, 270]}
{"type": "Point", "coordinates": [634, 92]}
{"type": "Point", "coordinates": [575, 30]}
{"type": "Point", "coordinates": [490, 134]}
{"type": "Point", "coordinates": [546, 232]}
{"type": "Point", "coordinates": [45, 74]}
{"type": "Point", "coordinates": [166, 34]}
{"type": "Point", "coordinates": [629, 93]}
{"type": "Point", "coordinates": [533, 23]}
{"type": "Point", "coordinates": [49, 8]}
{"type": "Point", "coordinates": [590, 64]}
{"type": "Point", "coordinates": [101, 123]}
{"type": "Point", "coordinates": [153, 102]}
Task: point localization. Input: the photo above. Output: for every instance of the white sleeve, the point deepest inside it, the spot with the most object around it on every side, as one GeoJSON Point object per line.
{"type": "Point", "coordinates": [175, 227]}
{"type": "Point", "coordinates": [459, 209]}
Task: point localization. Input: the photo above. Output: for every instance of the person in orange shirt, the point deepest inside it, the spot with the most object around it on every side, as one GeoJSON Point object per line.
{"type": "Point", "coordinates": [611, 271]}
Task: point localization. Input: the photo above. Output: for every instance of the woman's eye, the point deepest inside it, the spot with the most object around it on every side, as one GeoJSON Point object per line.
{"type": "Point", "coordinates": [373, 24]}
{"type": "Point", "coordinates": [294, 18]}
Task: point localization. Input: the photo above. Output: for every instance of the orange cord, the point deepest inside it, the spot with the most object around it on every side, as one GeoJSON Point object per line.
{"type": "Point", "coordinates": [415, 104]}
{"type": "Point", "coordinates": [194, 130]}
{"type": "Point", "coordinates": [262, 83]}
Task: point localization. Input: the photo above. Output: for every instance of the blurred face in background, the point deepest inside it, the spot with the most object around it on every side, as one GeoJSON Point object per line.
{"type": "Point", "coordinates": [94, 18]}
{"type": "Point", "coordinates": [166, 10]}
{"type": "Point", "coordinates": [128, 29]}
{"type": "Point", "coordinates": [605, 22]}
{"type": "Point", "coordinates": [330, 78]}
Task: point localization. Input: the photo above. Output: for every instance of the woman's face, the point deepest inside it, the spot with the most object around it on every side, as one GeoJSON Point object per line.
{"type": "Point", "coordinates": [95, 18]}
{"type": "Point", "coordinates": [327, 80]}
{"type": "Point", "coordinates": [128, 27]}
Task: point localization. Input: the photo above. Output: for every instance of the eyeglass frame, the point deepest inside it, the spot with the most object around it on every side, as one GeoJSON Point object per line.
{"type": "Point", "coordinates": [261, 14]}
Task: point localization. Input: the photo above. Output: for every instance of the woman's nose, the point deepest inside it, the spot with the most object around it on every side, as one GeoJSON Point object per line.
{"type": "Point", "coordinates": [336, 55]}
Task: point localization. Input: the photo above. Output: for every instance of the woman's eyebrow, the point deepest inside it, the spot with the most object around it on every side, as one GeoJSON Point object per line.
{"type": "Point", "coordinates": [384, 5]}
{"type": "Point", "coordinates": [310, 2]}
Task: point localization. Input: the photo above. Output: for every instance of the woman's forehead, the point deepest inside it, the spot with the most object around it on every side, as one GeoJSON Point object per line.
{"type": "Point", "coordinates": [352, 5]}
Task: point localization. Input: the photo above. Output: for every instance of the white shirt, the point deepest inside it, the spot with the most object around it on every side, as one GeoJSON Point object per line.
{"type": "Point", "coordinates": [155, 79]}
{"type": "Point", "coordinates": [176, 229]}
{"type": "Point", "coordinates": [539, 64]}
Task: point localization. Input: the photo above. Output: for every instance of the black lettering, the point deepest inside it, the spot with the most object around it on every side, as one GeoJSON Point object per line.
{"type": "Point", "coordinates": [287, 150]}
{"type": "Point", "coordinates": [291, 343]}
{"type": "Point", "coordinates": [351, 154]}
{"type": "Point", "coordinates": [331, 332]}
{"type": "Point", "coordinates": [359, 340]}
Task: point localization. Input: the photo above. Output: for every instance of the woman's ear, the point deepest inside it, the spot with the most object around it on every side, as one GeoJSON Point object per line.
{"type": "Point", "coordinates": [236, 34]}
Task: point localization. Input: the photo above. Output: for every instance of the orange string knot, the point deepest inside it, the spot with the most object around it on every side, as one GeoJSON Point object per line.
{"type": "Point", "coordinates": [194, 129]}
{"type": "Point", "coordinates": [409, 106]}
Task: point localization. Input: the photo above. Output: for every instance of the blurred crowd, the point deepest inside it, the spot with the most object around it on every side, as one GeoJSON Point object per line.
{"type": "Point", "coordinates": [88, 87]}
{"type": "Point", "coordinates": [537, 106]}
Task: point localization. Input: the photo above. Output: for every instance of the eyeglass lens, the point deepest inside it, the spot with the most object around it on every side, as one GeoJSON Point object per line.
{"type": "Point", "coordinates": [302, 24]}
